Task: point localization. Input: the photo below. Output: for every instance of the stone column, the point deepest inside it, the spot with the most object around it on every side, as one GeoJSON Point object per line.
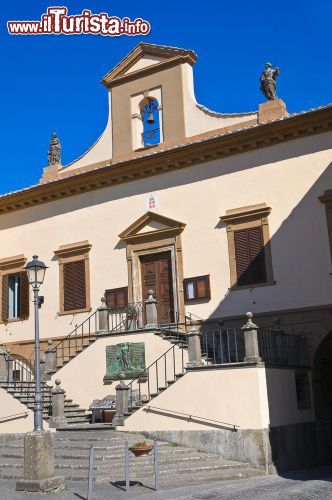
{"type": "Point", "coordinates": [194, 346]}
{"type": "Point", "coordinates": [3, 364]}
{"type": "Point", "coordinates": [103, 318]}
{"type": "Point", "coordinates": [251, 340]}
{"type": "Point", "coordinates": [151, 311]}
{"type": "Point", "coordinates": [39, 464]}
{"type": "Point", "coordinates": [50, 361]}
{"type": "Point", "coordinates": [58, 406]}
{"type": "Point", "coordinates": [121, 401]}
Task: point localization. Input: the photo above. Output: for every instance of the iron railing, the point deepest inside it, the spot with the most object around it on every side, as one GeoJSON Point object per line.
{"type": "Point", "coordinates": [158, 376]}
{"type": "Point", "coordinates": [150, 135]}
{"type": "Point", "coordinates": [223, 345]}
{"type": "Point", "coordinates": [226, 345]}
{"type": "Point", "coordinates": [20, 383]}
{"type": "Point", "coordinates": [278, 347]}
{"type": "Point", "coordinates": [128, 317]}
{"type": "Point", "coordinates": [76, 340]}
{"type": "Point", "coordinates": [18, 371]}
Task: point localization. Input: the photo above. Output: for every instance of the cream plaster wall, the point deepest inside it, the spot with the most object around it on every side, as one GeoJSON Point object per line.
{"type": "Point", "coordinates": [288, 177]}
{"type": "Point", "coordinates": [282, 399]}
{"type": "Point", "coordinates": [235, 396]}
{"type": "Point", "coordinates": [11, 406]}
{"type": "Point", "coordinates": [82, 378]}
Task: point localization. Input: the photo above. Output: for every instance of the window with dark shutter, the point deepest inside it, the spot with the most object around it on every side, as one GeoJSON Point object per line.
{"type": "Point", "coordinates": [250, 256]}
{"type": "Point", "coordinates": [117, 297]}
{"type": "Point", "coordinates": [4, 301]}
{"type": "Point", "coordinates": [24, 295]}
{"type": "Point", "coordinates": [74, 285]}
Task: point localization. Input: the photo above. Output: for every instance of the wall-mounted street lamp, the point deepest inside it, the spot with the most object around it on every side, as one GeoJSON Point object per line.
{"type": "Point", "coordinates": [36, 273]}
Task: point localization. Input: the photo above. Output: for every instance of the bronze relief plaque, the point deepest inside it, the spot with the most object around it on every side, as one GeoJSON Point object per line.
{"type": "Point", "coordinates": [127, 358]}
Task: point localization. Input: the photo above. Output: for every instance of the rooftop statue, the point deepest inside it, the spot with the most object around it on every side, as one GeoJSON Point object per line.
{"type": "Point", "coordinates": [54, 154]}
{"type": "Point", "coordinates": [268, 81]}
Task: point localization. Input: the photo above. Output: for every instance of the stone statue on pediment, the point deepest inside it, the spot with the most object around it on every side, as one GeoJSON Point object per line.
{"type": "Point", "coordinates": [268, 82]}
{"type": "Point", "coordinates": [54, 154]}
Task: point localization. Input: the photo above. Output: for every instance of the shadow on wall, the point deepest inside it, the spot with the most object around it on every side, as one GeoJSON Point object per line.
{"type": "Point", "coordinates": [301, 267]}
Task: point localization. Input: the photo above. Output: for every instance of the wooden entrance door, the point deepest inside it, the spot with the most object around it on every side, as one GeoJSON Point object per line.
{"type": "Point", "coordinates": [157, 275]}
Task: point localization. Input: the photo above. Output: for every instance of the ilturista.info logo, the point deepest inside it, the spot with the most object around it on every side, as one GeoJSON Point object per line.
{"type": "Point", "coordinates": [56, 21]}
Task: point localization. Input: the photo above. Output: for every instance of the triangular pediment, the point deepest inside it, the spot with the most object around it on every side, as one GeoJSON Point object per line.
{"type": "Point", "coordinates": [152, 225]}
{"type": "Point", "coordinates": [145, 57]}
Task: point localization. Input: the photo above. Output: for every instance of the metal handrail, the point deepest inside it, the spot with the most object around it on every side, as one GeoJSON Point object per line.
{"type": "Point", "coordinates": [75, 339]}
{"type": "Point", "coordinates": [24, 414]}
{"type": "Point", "coordinates": [146, 373]}
{"type": "Point", "coordinates": [234, 427]}
{"type": "Point", "coordinates": [76, 328]}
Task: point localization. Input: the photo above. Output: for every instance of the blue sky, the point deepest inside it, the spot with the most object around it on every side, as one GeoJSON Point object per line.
{"type": "Point", "coordinates": [51, 83]}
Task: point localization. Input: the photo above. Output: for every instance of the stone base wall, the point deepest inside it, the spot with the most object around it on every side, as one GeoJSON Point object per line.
{"type": "Point", "coordinates": [251, 445]}
{"type": "Point", "coordinates": [274, 450]}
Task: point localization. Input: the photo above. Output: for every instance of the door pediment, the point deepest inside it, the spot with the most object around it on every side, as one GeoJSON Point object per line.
{"type": "Point", "coordinates": [151, 226]}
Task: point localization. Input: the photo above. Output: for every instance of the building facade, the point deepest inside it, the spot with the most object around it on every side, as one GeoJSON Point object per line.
{"type": "Point", "coordinates": [217, 213]}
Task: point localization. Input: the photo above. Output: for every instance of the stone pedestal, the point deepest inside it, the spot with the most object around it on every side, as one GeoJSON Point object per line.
{"type": "Point", "coordinates": [121, 404]}
{"type": "Point", "coordinates": [39, 465]}
{"type": "Point", "coordinates": [3, 364]}
{"type": "Point", "coordinates": [50, 173]}
{"type": "Point", "coordinates": [58, 406]}
{"type": "Point", "coordinates": [151, 311]}
{"type": "Point", "coordinates": [50, 361]}
{"type": "Point", "coordinates": [251, 340]}
{"type": "Point", "coordinates": [103, 318]}
{"type": "Point", "coordinates": [194, 348]}
{"type": "Point", "coordinates": [271, 110]}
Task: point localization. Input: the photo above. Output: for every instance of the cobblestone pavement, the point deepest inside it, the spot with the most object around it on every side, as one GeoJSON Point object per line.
{"type": "Point", "coordinates": [302, 485]}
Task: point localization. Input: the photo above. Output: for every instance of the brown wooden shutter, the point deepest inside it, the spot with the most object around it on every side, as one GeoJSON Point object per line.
{"type": "Point", "coordinates": [4, 302]}
{"type": "Point", "coordinates": [117, 297]}
{"type": "Point", "coordinates": [74, 285]}
{"type": "Point", "coordinates": [24, 296]}
{"type": "Point", "coordinates": [250, 256]}
{"type": "Point", "coordinates": [257, 255]}
{"type": "Point", "coordinates": [242, 257]}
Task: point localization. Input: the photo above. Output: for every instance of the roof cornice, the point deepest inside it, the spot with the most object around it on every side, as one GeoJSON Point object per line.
{"type": "Point", "coordinates": [178, 157]}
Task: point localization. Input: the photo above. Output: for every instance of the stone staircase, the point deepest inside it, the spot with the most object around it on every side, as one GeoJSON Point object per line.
{"type": "Point", "coordinates": [179, 465]}
{"type": "Point", "coordinates": [24, 392]}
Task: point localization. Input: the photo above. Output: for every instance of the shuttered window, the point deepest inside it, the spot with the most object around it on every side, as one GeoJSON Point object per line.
{"type": "Point", "coordinates": [117, 297]}
{"type": "Point", "coordinates": [15, 296]}
{"type": "Point", "coordinates": [250, 256]}
{"type": "Point", "coordinates": [74, 285]}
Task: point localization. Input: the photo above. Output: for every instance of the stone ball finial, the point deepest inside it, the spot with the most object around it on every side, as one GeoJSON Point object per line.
{"type": "Point", "coordinates": [150, 291]}
{"type": "Point", "coordinates": [103, 300]}
{"type": "Point", "coordinates": [57, 382]}
{"type": "Point", "coordinates": [249, 315]}
{"type": "Point", "coordinates": [49, 342]}
{"type": "Point", "coordinates": [121, 376]}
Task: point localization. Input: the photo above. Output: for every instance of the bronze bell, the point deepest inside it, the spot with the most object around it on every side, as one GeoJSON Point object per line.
{"type": "Point", "coordinates": [150, 118]}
